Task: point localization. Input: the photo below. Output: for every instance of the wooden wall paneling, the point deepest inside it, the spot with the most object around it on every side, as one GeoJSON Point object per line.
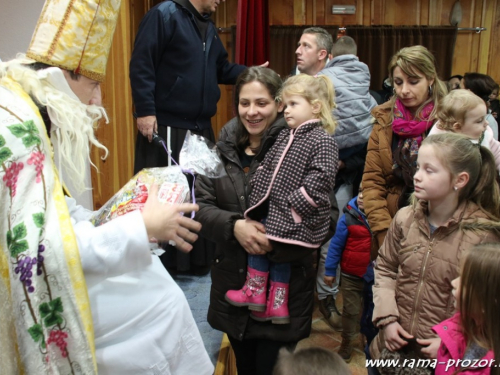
{"type": "Point", "coordinates": [494, 57]}
{"type": "Point", "coordinates": [377, 12]}
{"type": "Point", "coordinates": [424, 12]}
{"type": "Point", "coordinates": [476, 8]}
{"type": "Point", "coordinates": [118, 135]}
{"type": "Point", "coordinates": [138, 9]}
{"type": "Point", "coordinates": [487, 17]}
{"type": "Point", "coordinates": [360, 11]}
{"type": "Point", "coordinates": [310, 12]}
{"type": "Point", "coordinates": [225, 17]}
{"type": "Point", "coordinates": [463, 46]}
{"type": "Point", "coordinates": [367, 12]}
{"type": "Point", "coordinates": [435, 13]}
{"type": "Point", "coordinates": [403, 13]}
{"type": "Point", "coordinates": [321, 13]}
{"type": "Point", "coordinates": [281, 12]}
{"type": "Point", "coordinates": [231, 12]}
{"type": "Point", "coordinates": [299, 10]}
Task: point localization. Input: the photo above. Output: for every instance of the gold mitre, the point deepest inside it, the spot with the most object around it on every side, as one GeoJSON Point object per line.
{"type": "Point", "coordinates": [75, 35]}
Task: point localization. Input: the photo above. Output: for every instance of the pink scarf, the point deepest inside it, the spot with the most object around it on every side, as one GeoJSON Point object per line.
{"type": "Point", "coordinates": [406, 126]}
{"type": "Point", "coordinates": [411, 132]}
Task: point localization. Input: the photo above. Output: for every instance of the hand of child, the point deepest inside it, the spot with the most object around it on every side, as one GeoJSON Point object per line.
{"type": "Point", "coordinates": [329, 280]}
{"type": "Point", "coordinates": [252, 236]}
{"type": "Point", "coordinates": [165, 222]}
{"type": "Point", "coordinates": [431, 346]}
{"type": "Point", "coordinates": [394, 333]}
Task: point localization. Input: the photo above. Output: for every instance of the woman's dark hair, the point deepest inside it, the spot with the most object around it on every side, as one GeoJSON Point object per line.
{"type": "Point", "coordinates": [456, 76]}
{"type": "Point", "coordinates": [480, 84]}
{"type": "Point", "coordinates": [269, 79]}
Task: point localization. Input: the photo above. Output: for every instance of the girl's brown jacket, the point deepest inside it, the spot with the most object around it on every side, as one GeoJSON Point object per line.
{"type": "Point", "coordinates": [414, 268]}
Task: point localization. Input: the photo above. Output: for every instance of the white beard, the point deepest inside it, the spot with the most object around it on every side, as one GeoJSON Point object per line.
{"type": "Point", "coordinates": [73, 123]}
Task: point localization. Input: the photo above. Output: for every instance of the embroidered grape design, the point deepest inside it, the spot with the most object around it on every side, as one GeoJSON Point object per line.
{"type": "Point", "coordinates": [59, 338]}
{"type": "Point", "coordinates": [37, 159]}
{"type": "Point", "coordinates": [11, 174]}
{"type": "Point", "coordinates": [40, 258]}
{"type": "Point", "coordinates": [24, 267]}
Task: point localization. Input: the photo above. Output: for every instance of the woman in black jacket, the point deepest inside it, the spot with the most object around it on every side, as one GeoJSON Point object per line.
{"type": "Point", "coordinates": [243, 143]}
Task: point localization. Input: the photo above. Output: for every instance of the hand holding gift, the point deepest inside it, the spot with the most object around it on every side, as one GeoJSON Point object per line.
{"type": "Point", "coordinates": [166, 222]}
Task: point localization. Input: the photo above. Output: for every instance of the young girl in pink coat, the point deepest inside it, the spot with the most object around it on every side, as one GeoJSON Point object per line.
{"type": "Point", "coordinates": [470, 340]}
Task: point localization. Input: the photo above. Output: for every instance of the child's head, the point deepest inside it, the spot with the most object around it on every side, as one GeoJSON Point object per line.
{"type": "Point", "coordinates": [359, 201]}
{"type": "Point", "coordinates": [452, 164]}
{"type": "Point", "coordinates": [494, 93]}
{"type": "Point", "coordinates": [480, 84]}
{"type": "Point", "coordinates": [478, 296]}
{"type": "Point", "coordinates": [306, 98]}
{"type": "Point", "coordinates": [463, 112]}
{"type": "Point", "coordinates": [311, 361]}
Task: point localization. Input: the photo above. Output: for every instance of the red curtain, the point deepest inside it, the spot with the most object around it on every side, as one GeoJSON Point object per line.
{"type": "Point", "coordinates": [252, 32]}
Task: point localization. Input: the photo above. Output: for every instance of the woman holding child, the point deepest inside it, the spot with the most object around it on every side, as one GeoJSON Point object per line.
{"type": "Point", "coordinates": [243, 144]}
{"type": "Point", "coordinates": [400, 126]}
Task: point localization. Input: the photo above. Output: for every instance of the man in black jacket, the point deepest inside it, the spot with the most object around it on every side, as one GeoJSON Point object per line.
{"type": "Point", "coordinates": [176, 66]}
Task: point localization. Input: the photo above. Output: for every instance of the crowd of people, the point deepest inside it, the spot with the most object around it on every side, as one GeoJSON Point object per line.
{"type": "Point", "coordinates": [415, 253]}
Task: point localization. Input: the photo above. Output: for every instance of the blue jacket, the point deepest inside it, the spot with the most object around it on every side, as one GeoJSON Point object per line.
{"type": "Point", "coordinates": [351, 243]}
{"type": "Point", "coordinates": [351, 80]}
{"type": "Point", "coordinates": [174, 74]}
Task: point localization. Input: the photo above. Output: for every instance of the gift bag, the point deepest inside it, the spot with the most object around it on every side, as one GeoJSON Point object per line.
{"type": "Point", "coordinates": [173, 188]}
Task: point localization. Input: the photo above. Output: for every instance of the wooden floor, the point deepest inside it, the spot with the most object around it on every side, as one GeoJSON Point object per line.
{"type": "Point", "coordinates": [321, 335]}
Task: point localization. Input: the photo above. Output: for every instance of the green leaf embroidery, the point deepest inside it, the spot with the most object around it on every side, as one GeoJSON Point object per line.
{"type": "Point", "coordinates": [30, 125]}
{"type": "Point", "coordinates": [2, 141]}
{"type": "Point", "coordinates": [39, 219]}
{"type": "Point", "coordinates": [50, 312]}
{"type": "Point", "coordinates": [5, 153]}
{"type": "Point", "coordinates": [19, 231]}
{"type": "Point", "coordinates": [56, 305]}
{"type": "Point", "coordinates": [31, 140]}
{"type": "Point", "coordinates": [18, 247]}
{"type": "Point", "coordinates": [9, 238]}
{"type": "Point", "coordinates": [18, 130]}
{"type": "Point", "coordinates": [27, 131]}
{"type": "Point", "coordinates": [36, 334]}
{"type": "Point", "coordinates": [15, 240]}
{"type": "Point", "coordinates": [44, 309]}
{"type": "Point", "coordinates": [53, 319]}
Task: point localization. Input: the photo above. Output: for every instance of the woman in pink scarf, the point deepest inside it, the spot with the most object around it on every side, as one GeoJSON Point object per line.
{"type": "Point", "coordinates": [400, 126]}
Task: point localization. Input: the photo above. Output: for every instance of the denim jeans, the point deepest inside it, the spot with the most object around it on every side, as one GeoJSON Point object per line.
{"type": "Point", "coordinates": [323, 289]}
{"type": "Point", "coordinates": [278, 272]}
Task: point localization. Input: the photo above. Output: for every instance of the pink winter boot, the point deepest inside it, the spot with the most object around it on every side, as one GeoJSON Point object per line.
{"type": "Point", "coordinates": [253, 293]}
{"type": "Point", "coordinates": [277, 305]}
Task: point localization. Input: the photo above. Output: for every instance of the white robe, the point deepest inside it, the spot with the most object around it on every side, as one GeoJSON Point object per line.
{"type": "Point", "coordinates": [142, 320]}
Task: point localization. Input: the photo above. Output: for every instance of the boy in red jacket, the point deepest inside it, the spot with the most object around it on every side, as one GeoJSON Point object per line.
{"type": "Point", "coordinates": [351, 247]}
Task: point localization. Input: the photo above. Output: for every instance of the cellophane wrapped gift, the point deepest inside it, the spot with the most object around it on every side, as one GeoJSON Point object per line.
{"type": "Point", "coordinates": [173, 188]}
{"type": "Point", "coordinates": [197, 156]}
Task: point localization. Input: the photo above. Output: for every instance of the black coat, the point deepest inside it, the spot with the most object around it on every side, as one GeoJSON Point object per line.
{"type": "Point", "coordinates": [222, 202]}
{"type": "Point", "coordinates": [174, 72]}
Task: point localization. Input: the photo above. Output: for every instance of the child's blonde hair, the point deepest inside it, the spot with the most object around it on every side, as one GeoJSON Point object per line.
{"type": "Point", "coordinates": [315, 90]}
{"type": "Point", "coordinates": [311, 361]}
{"type": "Point", "coordinates": [453, 108]}
{"type": "Point", "coordinates": [459, 154]}
{"type": "Point", "coordinates": [479, 297]}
